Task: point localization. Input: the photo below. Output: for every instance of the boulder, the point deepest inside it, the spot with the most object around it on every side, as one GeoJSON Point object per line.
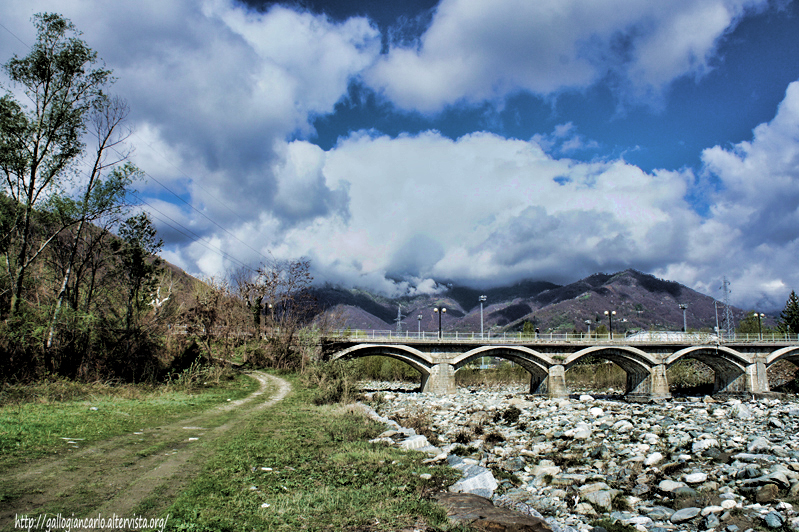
{"type": "Point", "coordinates": [480, 513]}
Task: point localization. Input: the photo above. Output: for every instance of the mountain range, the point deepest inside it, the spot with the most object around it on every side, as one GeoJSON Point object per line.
{"type": "Point", "coordinates": [641, 301]}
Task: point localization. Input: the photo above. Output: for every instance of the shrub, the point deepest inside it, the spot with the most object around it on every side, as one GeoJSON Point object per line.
{"type": "Point", "coordinates": [511, 415]}
{"type": "Point", "coordinates": [334, 382]}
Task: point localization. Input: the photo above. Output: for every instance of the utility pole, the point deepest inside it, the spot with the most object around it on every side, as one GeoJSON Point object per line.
{"type": "Point", "coordinates": [481, 299]}
{"type": "Point", "coordinates": [683, 307]}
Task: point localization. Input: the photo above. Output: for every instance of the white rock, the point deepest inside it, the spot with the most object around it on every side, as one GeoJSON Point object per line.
{"type": "Point", "coordinates": [653, 459]}
{"type": "Point", "coordinates": [596, 412]}
{"type": "Point", "coordinates": [701, 445]}
{"type": "Point", "coordinates": [414, 442]}
{"type": "Point", "coordinates": [695, 478]}
{"type": "Point", "coordinates": [670, 485]}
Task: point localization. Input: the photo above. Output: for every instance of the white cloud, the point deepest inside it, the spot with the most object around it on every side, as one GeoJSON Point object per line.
{"type": "Point", "coordinates": [218, 93]}
{"type": "Point", "coordinates": [752, 235]}
{"type": "Point", "coordinates": [475, 51]}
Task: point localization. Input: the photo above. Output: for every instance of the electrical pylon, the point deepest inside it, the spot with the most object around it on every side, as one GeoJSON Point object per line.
{"type": "Point", "coordinates": [728, 321]}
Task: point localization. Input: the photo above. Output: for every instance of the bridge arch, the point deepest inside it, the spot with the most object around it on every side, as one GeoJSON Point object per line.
{"type": "Point", "coordinates": [728, 365]}
{"type": "Point", "coordinates": [535, 363]}
{"type": "Point", "coordinates": [420, 361]}
{"type": "Point", "coordinates": [638, 365]}
{"type": "Point", "coordinates": [790, 353]}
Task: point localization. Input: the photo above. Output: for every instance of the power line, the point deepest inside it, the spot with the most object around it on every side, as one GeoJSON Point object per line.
{"type": "Point", "coordinates": [196, 238]}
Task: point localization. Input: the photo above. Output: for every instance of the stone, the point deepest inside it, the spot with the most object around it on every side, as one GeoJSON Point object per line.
{"type": "Point", "coordinates": [653, 459]}
{"type": "Point", "coordinates": [623, 426]}
{"type": "Point", "coordinates": [686, 514]}
{"type": "Point", "coordinates": [701, 445]}
{"type": "Point", "coordinates": [773, 520]}
{"type": "Point", "coordinates": [741, 411]}
{"type": "Point", "coordinates": [480, 513]}
{"type": "Point", "coordinates": [584, 508]}
{"type": "Point", "coordinates": [659, 513]}
{"type": "Point", "coordinates": [602, 498]}
{"type": "Point", "coordinates": [767, 493]}
{"type": "Point", "coordinates": [414, 442]}
{"type": "Point", "coordinates": [712, 521]}
{"type": "Point", "coordinates": [695, 478]}
{"type": "Point", "coordinates": [670, 485]}
{"type": "Point", "coordinates": [758, 445]}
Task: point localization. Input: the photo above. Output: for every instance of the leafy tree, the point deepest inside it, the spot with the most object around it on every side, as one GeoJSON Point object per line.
{"type": "Point", "coordinates": [749, 325]}
{"type": "Point", "coordinates": [789, 317]}
{"type": "Point", "coordinates": [528, 329]}
{"type": "Point", "coordinates": [138, 265]}
{"type": "Point", "coordinates": [40, 143]}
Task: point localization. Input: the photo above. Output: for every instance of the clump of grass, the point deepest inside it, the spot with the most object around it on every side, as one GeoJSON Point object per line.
{"type": "Point", "coordinates": [612, 525]}
{"type": "Point", "coordinates": [494, 438]}
{"type": "Point", "coordinates": [462, 438]}
{"type": "Point", "coordinates": [511, 415]}
{"type": "Point", "coordinates": [420, 422]}
{"type": "Point", "coordinates": [335, 382]}
{"type": "Point", "coordinates": [461, 450]}
{"type": "Point", "coordinates": [620, 503]}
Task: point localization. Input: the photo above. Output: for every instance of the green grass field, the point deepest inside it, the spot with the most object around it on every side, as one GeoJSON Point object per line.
{"type": "Point", "coordinates": [39, 419]}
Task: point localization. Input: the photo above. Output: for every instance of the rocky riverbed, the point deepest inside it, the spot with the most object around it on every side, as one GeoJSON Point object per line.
{"type": "Point", "coordinates": [685, 464]}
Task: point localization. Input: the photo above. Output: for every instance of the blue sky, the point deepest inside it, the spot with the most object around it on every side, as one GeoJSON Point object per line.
{"type": "Point", "coordinates": [400, 145]}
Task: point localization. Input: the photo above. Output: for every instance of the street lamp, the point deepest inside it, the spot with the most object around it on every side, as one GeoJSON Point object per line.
{"type": "Point", "coordinates": [610, 315]}
{"type": "Point", "coordinates": [759, 327]}
{"type": "Point", "coordinates": [419, 319]}
{"type": "Point", "coordinates": [442, 311]}
{"type": "Point", "coordinates": [683, 307]}
{"type": "Point", "coordinates": [588, 323]}
{"type": "Point", "coordinates": [481, 299]}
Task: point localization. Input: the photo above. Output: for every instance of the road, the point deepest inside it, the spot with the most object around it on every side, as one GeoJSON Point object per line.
{"type": "Point", "coordinates": [140, 472]}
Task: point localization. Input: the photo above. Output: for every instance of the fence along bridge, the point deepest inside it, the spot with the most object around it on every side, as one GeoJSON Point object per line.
{"type": "Point", "coordinates": [740, 364]}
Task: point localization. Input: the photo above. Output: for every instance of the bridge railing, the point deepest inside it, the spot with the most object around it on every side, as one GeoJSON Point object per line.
{"type": "Point", "coordinates": [519, 337]}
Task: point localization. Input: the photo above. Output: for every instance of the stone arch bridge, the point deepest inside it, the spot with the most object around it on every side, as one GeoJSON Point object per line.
{"type": "Point", "coordinates": [740, 367]}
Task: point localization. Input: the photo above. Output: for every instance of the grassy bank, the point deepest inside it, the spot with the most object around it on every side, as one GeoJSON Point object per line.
{"type": "Point", "coordinates": [303, 467]}
{"type": "Point", "coordinates": [40, 419]}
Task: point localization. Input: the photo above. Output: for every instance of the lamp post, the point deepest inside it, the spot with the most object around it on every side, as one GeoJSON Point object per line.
{"type": "Point", "coordinates": [419, 319]}
{"type": "Point", "coordinates": [683, 307]}
{"type": "Point", "coordinates": [610, 315]}
{"type": "Point", "coordinates": [588, 323]}
{"type": "Point", "coordinates": [439, 312]}
{"type": "Point", "coordinates": [760, 316]}
{"type": "Point", "coordinates": [481, 299]}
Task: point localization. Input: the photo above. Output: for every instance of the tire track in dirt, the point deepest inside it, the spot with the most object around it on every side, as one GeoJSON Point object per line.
{"type": "Point", "coordinates": [117, 475]}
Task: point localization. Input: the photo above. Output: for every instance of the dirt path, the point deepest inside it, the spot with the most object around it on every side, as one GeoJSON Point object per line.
{"type": "Point", "coordinates": [140, 472]}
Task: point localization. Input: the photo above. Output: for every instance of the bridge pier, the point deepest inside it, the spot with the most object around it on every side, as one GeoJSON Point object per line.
{"type": "Point", "coordinates": [757, 377]}
{"type": "Point", "coordinates": [649, 385]}
{"type": "Point", "coordinates": [441, 380]}
{"type": "Point", "coordinates": [556, 382]}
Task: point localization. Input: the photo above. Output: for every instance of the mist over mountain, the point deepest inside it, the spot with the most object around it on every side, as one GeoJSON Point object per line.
{"type": "Point", "coordinates": [641, 301]}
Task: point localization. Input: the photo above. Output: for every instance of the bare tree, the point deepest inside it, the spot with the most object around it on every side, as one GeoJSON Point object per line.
{"type": "Point", "coordinates": [104, 193]}
{"type": "Point", "coordinates": [290, 304]}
